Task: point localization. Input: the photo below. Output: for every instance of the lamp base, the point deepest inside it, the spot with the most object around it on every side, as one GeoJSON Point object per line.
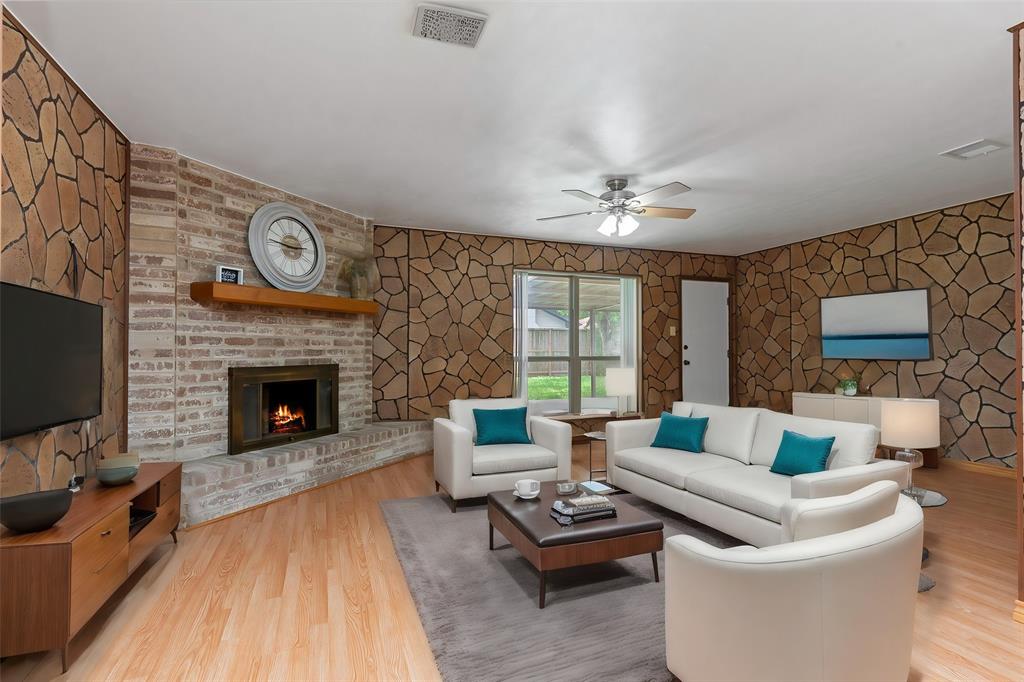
{"type": "Point", "coordinates": [925, 497]}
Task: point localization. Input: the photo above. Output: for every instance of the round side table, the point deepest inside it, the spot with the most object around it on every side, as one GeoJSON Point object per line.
{"type": "Point", "coordinates": [592, 436]}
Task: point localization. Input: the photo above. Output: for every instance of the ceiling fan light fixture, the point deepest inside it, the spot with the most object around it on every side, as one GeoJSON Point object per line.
{"type": "Point", "coordinates": [609, 225]}
{"type": "Point", "coordinates": [627, 225]}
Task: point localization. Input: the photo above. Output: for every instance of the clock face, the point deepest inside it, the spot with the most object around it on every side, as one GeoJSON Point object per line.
{"type": "Point", "coordinates": [291, 247]}
{"type": "Point", "coordinates": [286, 247]}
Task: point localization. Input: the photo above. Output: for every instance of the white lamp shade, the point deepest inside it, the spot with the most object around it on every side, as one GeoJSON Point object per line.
{"type": "Point", "coordinates": [620, 381]}
{"type": "Point", "coordinates": [608, 226]}
{"type": "Point", "coordinates": [910, 423]}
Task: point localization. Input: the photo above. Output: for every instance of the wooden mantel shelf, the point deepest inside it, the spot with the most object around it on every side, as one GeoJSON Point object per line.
{"type": "Point", "coordinates": [221, 292]}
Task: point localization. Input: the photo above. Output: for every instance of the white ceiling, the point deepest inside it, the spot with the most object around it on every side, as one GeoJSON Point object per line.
{"type": "Point", "coordinates": [789, 120]}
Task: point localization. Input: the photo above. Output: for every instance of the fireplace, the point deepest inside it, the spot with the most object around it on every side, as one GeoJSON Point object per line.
{"type": "Point", "coordinates": [273, 405]}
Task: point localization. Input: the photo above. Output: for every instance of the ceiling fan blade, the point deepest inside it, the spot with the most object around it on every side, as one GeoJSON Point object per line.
{"type": "Point", "coordinates": [659, 193]}
{"type": "Point", "coordinates": [570, 215]}
{"type": "Point", "coordinates": [586, 196]}
{"type": "Point", "coordinates": [663, 212]}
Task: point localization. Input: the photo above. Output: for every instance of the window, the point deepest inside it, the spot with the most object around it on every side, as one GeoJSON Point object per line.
{"type": "Point", "coordinates": [570, 329]}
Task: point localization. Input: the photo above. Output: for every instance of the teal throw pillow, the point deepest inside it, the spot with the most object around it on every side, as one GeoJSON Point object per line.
{"type": "Point", "coordinates": [681, 433]}
{"type": "Point", "coordinates": [800, 454]}
{"type": "Point", "coordinates": [501, 427]}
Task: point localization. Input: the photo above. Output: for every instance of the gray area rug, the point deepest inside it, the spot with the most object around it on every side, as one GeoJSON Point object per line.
{"type": "Point", "coordinates": [479, 608]}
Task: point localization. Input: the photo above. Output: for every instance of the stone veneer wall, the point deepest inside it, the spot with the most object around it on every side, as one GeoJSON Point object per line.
{"type": "Point", "coordinates": [188, 217]}
{"type": "Point", "coordinates": [964, 254]}
{"type": "Point", "coordinates": [64, 183]}
{"type": "Point", "coordinates": [450, 336]}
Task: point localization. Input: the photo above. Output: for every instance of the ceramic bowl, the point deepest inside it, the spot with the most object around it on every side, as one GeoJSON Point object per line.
{"type": "Point", "coordinates": [34, 512]}
{"type": "Point", "coordinates": [566, 487]}
{"type": "Point", "coordinates": [129, 459]}
{"type": "Point", "coordinates": [116, 475]}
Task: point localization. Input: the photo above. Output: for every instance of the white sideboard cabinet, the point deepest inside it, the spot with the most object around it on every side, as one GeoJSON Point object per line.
{"type": "Point", "coordinates": [862, 409]}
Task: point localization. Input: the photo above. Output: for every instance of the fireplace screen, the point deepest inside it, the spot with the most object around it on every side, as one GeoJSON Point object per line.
{"type": "Point", "coordinates": [272, 405]}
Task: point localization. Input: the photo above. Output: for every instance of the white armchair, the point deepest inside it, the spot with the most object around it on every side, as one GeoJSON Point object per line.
{"type": "Point", "coordinates": [829, 606]}
{"type": "Point", "coordinates": [465, 470]}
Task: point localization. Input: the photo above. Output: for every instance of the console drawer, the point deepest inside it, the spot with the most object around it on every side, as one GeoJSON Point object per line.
{"type": "Point", "coordinates": [94, 548]}
{"type": "Point", "coordinates": [99, 564]}
{"type": "Point", "coordinates": [170, 485]}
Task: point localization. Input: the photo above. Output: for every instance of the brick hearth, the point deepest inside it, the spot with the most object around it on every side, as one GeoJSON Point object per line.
{"type": "Point", "coordinates": [225, 484]}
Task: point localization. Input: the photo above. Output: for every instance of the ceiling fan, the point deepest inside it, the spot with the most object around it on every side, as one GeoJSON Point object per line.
{"type": "Point", "coordinates": [621, 205]}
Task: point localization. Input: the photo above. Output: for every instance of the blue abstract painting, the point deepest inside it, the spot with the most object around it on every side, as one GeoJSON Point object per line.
{"type": "Point", "coordinates": [890, 326]}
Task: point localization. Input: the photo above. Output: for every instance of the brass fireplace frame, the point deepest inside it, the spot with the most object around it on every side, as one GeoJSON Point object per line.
{"type": "Point", "coordinates": [238, 377]}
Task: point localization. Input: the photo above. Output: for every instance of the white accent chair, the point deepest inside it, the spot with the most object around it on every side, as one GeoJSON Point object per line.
{"type": "Point", "coordinates": [466, 470]}
{"type": "Point", "coordinates": [835, 604]}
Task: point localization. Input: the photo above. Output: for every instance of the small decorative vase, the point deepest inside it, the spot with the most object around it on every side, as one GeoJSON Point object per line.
{"type": "Point", "coordinates": [358, 272]}
{"type": "Point", "coordinates": [849, 386]}
{"type": "Point", "coordinates": [360, 286]}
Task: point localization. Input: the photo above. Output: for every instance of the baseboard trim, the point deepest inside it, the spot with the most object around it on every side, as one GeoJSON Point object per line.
{"type": "Point", "coordinates": [988, 469]}
{"type": "Point", "coordinates": [1018, 611]}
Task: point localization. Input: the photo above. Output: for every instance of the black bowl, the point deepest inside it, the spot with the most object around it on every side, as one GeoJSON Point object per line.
{"type": "Point", "coordinates": [34, 511]}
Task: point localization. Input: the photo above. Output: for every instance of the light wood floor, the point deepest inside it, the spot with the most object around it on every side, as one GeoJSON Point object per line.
{"type": "Point", "coordinates": [309, 587]}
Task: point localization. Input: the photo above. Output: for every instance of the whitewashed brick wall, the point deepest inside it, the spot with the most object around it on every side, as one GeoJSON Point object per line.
{"type": "Point", "coordinates": [187, 217]}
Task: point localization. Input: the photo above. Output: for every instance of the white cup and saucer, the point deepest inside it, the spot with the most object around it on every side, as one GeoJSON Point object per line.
{"type": "Point", "coordinates": [527, 489]}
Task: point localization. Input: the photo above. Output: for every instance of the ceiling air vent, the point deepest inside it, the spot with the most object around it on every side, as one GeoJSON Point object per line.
{"type": "Point", "coordinates": [973, 150]}
{"type": "Point", "coordinates": [449, 24]}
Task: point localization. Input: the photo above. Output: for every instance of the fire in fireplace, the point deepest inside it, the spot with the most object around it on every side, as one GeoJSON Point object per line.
{"type": "Point", "coordinates": [271, 405]}
{"type": "Point", "coordinates": [288, 403]}
{"type": "Point", "coordinates": [284, 420]}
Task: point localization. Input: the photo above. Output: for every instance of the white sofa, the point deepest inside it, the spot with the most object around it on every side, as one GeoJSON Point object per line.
{"type": "Point", "coordinates": [466, 470]}
{"type": "Point", "coordinates": [835, 602]}
{"type": "Point", "coordinates": [729, 486]}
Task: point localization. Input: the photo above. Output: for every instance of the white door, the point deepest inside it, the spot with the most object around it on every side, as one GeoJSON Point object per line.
{"type": "Point", "coordinates": [705, 332]}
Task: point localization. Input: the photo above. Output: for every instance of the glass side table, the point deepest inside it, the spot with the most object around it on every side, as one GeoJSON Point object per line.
{"type": "Point", "coordinates": [592, 436]}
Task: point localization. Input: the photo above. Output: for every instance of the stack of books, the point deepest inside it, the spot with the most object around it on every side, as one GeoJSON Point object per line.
{"type": "Point", "coordinates": [596, 488]}
{"type": "Point", "coordinates": [584, 508]}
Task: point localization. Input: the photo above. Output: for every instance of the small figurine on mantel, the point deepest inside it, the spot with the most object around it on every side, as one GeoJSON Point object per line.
{"type": "Point", "coordinates": [358, 272]}
{"type": "Point", "coordinates": [849, 382]}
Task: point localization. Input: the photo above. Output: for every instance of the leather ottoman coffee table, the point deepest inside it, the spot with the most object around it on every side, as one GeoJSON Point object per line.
{"type": "Point", "coordinates": [527, 524]}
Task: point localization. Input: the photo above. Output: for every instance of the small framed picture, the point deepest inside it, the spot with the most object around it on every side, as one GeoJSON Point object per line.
{"type": "Point", "coordinates": [230, 275]}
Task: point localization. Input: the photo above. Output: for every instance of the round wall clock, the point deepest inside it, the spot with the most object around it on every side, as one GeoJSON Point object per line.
{"type": "Point", "coordinates": [287, 247]}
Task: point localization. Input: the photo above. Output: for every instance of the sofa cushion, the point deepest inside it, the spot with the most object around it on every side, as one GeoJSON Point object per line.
{"type": "Point", "coordinates": [730, 430]}
{"type": "Point", "coordinates": [671, 467]}
{"type": "Point", "coordinates": [753, 489]}
{"type": "Point", "coordinates": [855, 443]}
{"type": "Point", "coordinates": [499, 459]}
{"type": "Point", "coordinates": [681, 433]}
{"type": "Point", "coordinates": [461, 411]}
{"type": "Point", "coordinates": [800, 454]}
{"type": "Point", "coordinates": [501, 427]}
{"type": "Point", "coordinates": [682, 409]}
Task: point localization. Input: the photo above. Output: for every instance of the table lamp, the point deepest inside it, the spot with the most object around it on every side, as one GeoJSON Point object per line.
{"type": "Point", "coordinates": [621, 382]}
{"type": "Point", "coordinates": [907, 425]}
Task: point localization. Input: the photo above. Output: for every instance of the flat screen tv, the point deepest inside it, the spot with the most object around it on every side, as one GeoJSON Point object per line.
{"type": "Point", "coordinates": [894, 325]}
{"type": "Point", "coordinates": [51, 360]}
